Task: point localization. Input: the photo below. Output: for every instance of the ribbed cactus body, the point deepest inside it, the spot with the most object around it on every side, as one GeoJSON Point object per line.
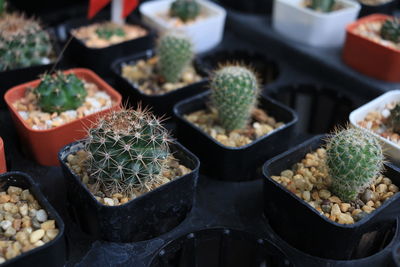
{"type": "Point", "coordinates": [322, 5]}
{"type": "Point", "coordinates": [60, 92]}
{"type": "Point", "coordinates": [23, 42]}
{"type": "Point", "coordinates": [391, 30]}
{"type": "Point", "coordinates": [234, 95]}
{"type": "Point", "coordinates": [108, 30]}
{"type": "Point", "coordinates": [185, 9]}
{"type": "Point", "coordinates": [394, 119]}
{"type": "Point", "coordinates": [354, 158]}
{"type": "Point", "coordinates": [127, 149]}
{"type": "Point", "coordinates": [175, 53]}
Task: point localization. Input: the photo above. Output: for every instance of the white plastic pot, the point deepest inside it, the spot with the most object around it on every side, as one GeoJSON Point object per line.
{"type": "Point", "coordinates": [205, 33]}
{"type": "Point", "coordinates": [378, 104]}
{"type": "Point", "coordinates": [304, 25]}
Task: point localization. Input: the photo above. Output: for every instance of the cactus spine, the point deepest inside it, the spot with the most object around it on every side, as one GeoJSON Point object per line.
{"type": "Point", "coordinates": [127, 151]}
{"type": "Point", "coordinates": [391, 30]}
{"type": "Point", "coordinates": [184, 9]}
{"type": "Point", "coordinates": [108, 30]}
{"type": "Point", "coordinates": [23, 42]}
{"type": "Point", "coordinates": [59, 92]}
{"type": "Point", "coordinates": [394, 118]}
{"type": "Point", "coordinates": [354, 158]}
{"type": "Point", "coordinates": [175, 53]}
{"type": "Point", "coordinates": [234, 95]}
{"type": "Point", "coordinates": [322, 5]}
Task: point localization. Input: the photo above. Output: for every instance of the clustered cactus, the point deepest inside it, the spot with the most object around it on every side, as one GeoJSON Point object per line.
{"type": "Point", "coordinates": [109, 30]}
{"type": "Point", "coordinates": [60, 92]}
{"type": "Point", "coordinates": [391, 30]}
{"type": "Point", "coordinates": [322, 5]}
{"type": "Point", "coordinates": [127, 151]}
{"type": "Point", "coordinates": [355, 159]}
{"type": "Point", "coordinates": [394, 119]}
{"type": "Point", "coordinates": [234, 94]}
{"type": "Point", "coordinates": [23, 42]}
{"type": "Point", "coordinates": [185, 9]}
{"type": "Point", "coordinates": [174, 52]}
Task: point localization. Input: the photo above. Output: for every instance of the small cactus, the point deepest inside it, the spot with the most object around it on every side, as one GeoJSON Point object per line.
{"type": "Point", "coordinates": [394, 119]}
{"type": "Point", "coordinates": [391, 30]}
{"type": "Point", "coordinates": [322, 5]}
{"type": "Point", "coordinates": [108, 30]}
{"type": "Point", "coordinates": [60, 92]}
{"type": "Point", "coordinates": [355, 159]}
{"type": "Point", "coordinates": [185, 9]}
{"type": "Point", "coordinates": [127, 151]}
{"type": "Point", "coordinates": [2, 6]}
{"type": "Point", "coordinates": [234, 95]}
{"type": "Point", "coordinates": [175, 53]}
{"type": "Point", "coordinates": [23, 42]}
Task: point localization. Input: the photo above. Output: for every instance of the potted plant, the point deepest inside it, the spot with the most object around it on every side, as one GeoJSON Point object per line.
{"type": "Point", "coordinates": [319, 23]}
{"type": "Point", "coordinates": [369, 7]}
{"type": "Point", "coordinates": [52, 111]}
{"type": "Point", "coordinates": [128, 181]}
{"type": "Point", "coordinates": [330, 189]}
{"type": "Point", "coordinates": [32, 231]}
{"type": "Point", "coordinates": [3, 165]}
{"type": "Point", "coordinates": [201, 20]}
{"type": "Point", "coordinates": [160, 78]}
{"type": "Point", "coordinates": [372, 47]}
{"type": "Point", "coordinates": [233, 130]}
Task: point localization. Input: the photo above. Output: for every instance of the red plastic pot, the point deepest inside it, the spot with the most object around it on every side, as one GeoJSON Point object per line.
{"type": "Point", "coordinates": [369, 57]}
{"type": "Point", "coordinates": [3, 166]}
{"type": "Point", "coordinates": [45, 144]}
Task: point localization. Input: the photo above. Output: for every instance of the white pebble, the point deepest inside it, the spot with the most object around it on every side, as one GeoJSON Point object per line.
{"type": "Point", "coordinates": [108, 201]}
{"type": "Point", "coordinates": [5, 224]}
{"type": "Point", "coordinates": [24, 114]}
{"type": "Point", "coordinates": [94, 102]}
{"type": "Point", "coordinates": [385, 113]}
{"type": "Point", "coordinates": [41, 215]}
{"type": "Point", "coordinates": [71, 113]}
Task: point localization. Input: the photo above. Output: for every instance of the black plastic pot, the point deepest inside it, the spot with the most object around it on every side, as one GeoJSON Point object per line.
{"type": "Point", "coordinates": [249, 6]}
{"type": "Point", "coordinates": [51, 253]}
{"type": "Point", "coordinates": [386, 8]}
{"type": "Point", "coordinates": [100, 59]}
{"type": "Point", "coordinates": [230, 163]}
{"type": "Point", "coordinates": [219, 248]}
{"type": "Point", "coordinates": [161, 104]}
{"type": "Point", "coordinates": [396, 255]}
{"type": "Point", "coordinates": [143, 218]}
{"type": "Point", "coordinates": [304, 228]}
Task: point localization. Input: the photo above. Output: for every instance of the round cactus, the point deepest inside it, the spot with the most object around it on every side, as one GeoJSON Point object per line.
{"type": "Point", "coordinates": [108, 30]}
{"type": "Point", "coordinates": [355, 159]}
{"type": "Point", "coordinates": [185, 9]}
{"type": "Point", "coordinates": [394, 119]}
{"type": "Point", "coordinates": [23, 43]}
{"type": "Point", "coordinates": [175, 53]}
{"type": "Point", "coordinates": [234, 95]}
{"type": "Point", "coordinates": [391, 30]}
{"type": "Point", "coordinates": [59, 92]}
{"type": "Point", "coordinates": [322, 5]}
{"type": "Point", "coordinates": [127, 151]}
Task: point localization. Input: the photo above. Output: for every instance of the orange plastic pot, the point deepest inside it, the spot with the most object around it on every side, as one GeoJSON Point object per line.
{"type": "Point", "coordinates": [369, 57]}
{"type": "Point", "coordinates": [45, 144]}
{"type": "Point", "coordinates": [3, 166]}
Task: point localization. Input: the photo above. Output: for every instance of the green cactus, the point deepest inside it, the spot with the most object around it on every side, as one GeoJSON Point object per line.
{"type": "Point", "coordinates": [108, 30]}
{"type": "Point", "coordinates": [59, 92]}
{"type": "Point", "coordinates": [391, 30]}
{"type": "Point", "coordinates": [184, 9]}
{"type": "Point", "coordinates": [394, 118]}
{"type": "Point", "coordinates": [127, 151]}
{"type": "Point", "coordinates": [355, 159]}
{"type": "Point", "coordinates": [2, 6]}
{"type": "Point", "coordinates": [234, 94]}
{"type": "Point", "coordinates": [174, 55]}
{"type": "Point", "coordinates": [23, 43]}
{"type": "Point", "coordinates": [322, 5]}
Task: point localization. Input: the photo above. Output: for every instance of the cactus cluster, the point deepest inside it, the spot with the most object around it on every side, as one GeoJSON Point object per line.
{"type": "Point", "coordinates": [60, 92]}
{"type": "Point", "coordinates": [234, 94]}
{"type": "Point", "coordinates": [355, 159]}
{"type": "Point", "coordinates": [390, 30]}
{"type": "Point", "coordinates": [322, 5]}
{"type": "Point", "coordinates": [175, 52]}
{"type": "Point", "coordinates": [23, 42]}
{"type": "Point", "coordinates": [184, 9]}
{"type": "Point", "coordinates": [108, 30]}
{"type": "Point", "coordinates": [394, 119]}
{"type": "Point", "coordinates": [127, 151]}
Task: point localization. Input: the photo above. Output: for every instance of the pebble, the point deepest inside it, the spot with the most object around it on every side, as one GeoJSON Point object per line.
{"type": "Point", "coordinates": [5, 224]}
{"type": "Point", "coordinates": [367, 196]}
{"type": "Point", "coordinates": [335, 211]}
{"type": "Point", "coordinates": [306, 195]}
{"type": "Point", "coordinates": [36, 236]}
{"type": "Point", "coordinates": [345, 218]}
{"type": "Point", "coordinates": [41, 215]}
{"type": "Point", "coordinates": [344, 207]}
{"type": "Point", "coordinates": [324, 194]}
{"type": "Point", "coordinates": [382, 188]}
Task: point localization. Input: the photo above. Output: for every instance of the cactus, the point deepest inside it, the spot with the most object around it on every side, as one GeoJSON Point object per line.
{"type": "Point", "coordinates": [184, 9]}
{"type": "Point", "coordinates": [234, 95]}
{"type": "Point", "coordinates": [127, 151]}
{"type": "Point", "coordinates": [2, 6]}
{"type": "Point", "coordinates": [355, 159]}
{"type": "Point", "coordinates": [23, 42]}
{"type": "Point", "coordinates": [391, 30]}
{"type": "Point", "coordinates": [322, 5]}
{"type": "Point", "coordinates": [175, 53]}
{"type": "Point", "coordinates": [59, 92]}
{"type": "Point", "coordinates": [108, 30]}
{"type": "Point", "coordinates": [394, 118]}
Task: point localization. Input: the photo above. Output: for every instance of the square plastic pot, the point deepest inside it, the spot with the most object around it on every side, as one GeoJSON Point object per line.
{"type": "Point", "coordinates": [386, 8]}
{"type": "Point", "coordinates": [161, 104]}
{"type": "Point", "coordinates": [378, 104]}
{"type": "Point", "coordinates": [45, 144]}
{"type": "Point", "coordinates": [306, 229]}
{"type": "Point", "coordinates": [145, 217]}
{"type": "Point", "coordinates": [369, 57]}
{"type": "Point", "coordinates": [291, 19]}
{"type": "Point", "coordinates": [51, 253]}
{"type": "Point", "coordinates": [231, 163]}
{"type": "Point", "coordinates": [205, 33]}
